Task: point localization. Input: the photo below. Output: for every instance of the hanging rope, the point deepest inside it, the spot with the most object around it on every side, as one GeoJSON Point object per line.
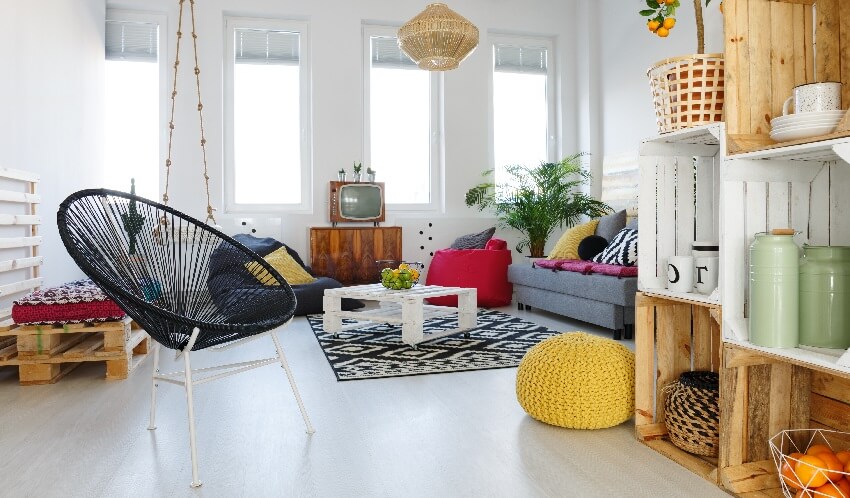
{"type": "Point", "coordinates": [168, 162]}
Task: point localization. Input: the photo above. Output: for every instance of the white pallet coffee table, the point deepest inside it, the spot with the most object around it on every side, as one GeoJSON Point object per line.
{"type": "Point", "coordinates": [405, 307]}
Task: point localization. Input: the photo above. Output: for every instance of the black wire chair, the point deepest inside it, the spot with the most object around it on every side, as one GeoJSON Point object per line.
{"type": "Point", "coordinates": [187, 284]}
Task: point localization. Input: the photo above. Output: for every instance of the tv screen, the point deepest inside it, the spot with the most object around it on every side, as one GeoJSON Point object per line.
{"type": "Point", "coordinates": [360, 201]}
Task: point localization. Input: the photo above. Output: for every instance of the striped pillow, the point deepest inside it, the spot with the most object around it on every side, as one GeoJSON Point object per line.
{"type": "Point", "coordinates": [621, 251]}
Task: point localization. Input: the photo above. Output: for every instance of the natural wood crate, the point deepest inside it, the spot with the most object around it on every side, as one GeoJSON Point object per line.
{"type": "Point", "coordinates": [672, 336]}
{"type": "Point", "coordinates": [762, 394]}
{"type": "Point", "coordinates": [46, 353]}
{"type": "Point", "coordinates": [770, 49]}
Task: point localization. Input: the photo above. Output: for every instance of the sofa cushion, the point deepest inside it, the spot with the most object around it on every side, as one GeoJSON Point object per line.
{"type": "Point", "coordinates": [595, 286]}
{"type": "Point", "coordinates": [266, 245]}
{"type": "Point", "coordinates": [309, 297]}
{"type": "Point", "coordinates": [496, 245]}
{"type": "Point", "coordinates": [611, 224]}
{"type": "Point", "coordinates": [285, 264]}
{"type": "Point", "coordinates": [614, 270]}
{"type": "Point", "coordinates": [567, 245]}
{"type": "Point", "coordinates": [622, 250]}
{"type": "Point", "coordinates": [474, 240]}
{"type": "Point", "coordinates": [591, 246]}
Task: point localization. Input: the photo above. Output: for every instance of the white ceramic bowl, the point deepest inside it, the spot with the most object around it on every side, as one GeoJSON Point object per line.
{"type": "Point", "coordinates": [824, 122]}
{"type": "Point", "coordinates": [806, 117]}
{"type": "Point", "coordinates": [797, 133]}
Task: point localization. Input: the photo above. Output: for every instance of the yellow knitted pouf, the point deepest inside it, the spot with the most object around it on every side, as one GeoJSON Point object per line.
{"type": "Point", "coordinates": [577, 380]}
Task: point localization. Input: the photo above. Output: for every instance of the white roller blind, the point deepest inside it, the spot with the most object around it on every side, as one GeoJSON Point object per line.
{"type": "Point", "coordinates": [261, 46]}
{"type": "Point", "coordinates": [386, 53]}
{"type": "Point", "coordinates": [128, 40]}
{"type": "Point", "coordinates": [509, 58]}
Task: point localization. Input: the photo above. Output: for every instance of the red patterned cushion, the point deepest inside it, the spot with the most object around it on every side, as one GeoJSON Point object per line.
{"type": "Point", "coordinates": [549, 264]}
{"type": "Point", "coordinates": [614, 270]}
{"type": "Point", "coordinates": [575, 265]}
{"type": "Point", "coordinates": [74, 302]}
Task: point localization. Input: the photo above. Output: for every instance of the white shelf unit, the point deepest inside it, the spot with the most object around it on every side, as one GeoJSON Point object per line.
{"type": "Point", "coordinates": [804, 187]}
{"type": "Point", "coordinates": [679, 199]}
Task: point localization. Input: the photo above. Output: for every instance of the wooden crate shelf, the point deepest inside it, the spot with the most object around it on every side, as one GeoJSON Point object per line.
{"type": "Point", "coordinates": [673, 336]}
{"type": "Point", "coordinates": [773, 46]}
{"type": "Point", "coordinates": [46, 353]}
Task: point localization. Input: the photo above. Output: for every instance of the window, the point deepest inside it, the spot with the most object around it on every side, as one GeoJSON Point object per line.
{"type": "Point", "coordinates": [523, 113]}
{"type": "Point", "coordinates": [134, 77]}
{"type": "Point", "coordinates": [267, 144]}
{"type": "Point", "coordinates": [402, 122]}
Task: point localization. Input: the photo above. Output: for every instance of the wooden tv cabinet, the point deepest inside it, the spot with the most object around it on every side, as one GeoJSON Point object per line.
{"type": "Point", "coordinates": [348, 254]}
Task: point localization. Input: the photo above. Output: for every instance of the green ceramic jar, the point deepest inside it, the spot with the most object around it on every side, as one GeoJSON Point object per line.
{"type": "Point", "coordinates": [774, 291]}
{"type": "Point", "coordinates": [825, 296]}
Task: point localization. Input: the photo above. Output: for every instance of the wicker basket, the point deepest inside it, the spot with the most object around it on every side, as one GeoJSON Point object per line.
{"type": "Point", "coordinates": [687, 91]}
{"type": "Point", "coordinates": [692, 412]}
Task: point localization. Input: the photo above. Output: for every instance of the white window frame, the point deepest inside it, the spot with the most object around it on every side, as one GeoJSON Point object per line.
{"type": "Point", "coordinates": [301, 27]}
{"type": "Point", "coordinates": [163, 57]}
{"type": "Point", "coordinates": [437, 141]}
{"type": "Point", "coordinates": [552, 132]}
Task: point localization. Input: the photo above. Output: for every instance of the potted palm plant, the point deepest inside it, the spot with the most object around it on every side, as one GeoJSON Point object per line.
{"type": "Point", "coordinates": [537, 199]}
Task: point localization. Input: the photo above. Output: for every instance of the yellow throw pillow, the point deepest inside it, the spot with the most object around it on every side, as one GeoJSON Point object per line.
{"type": "Point", "coordinates": [567, 246]}
{"type": "Point", "coordinates": [288, 268]}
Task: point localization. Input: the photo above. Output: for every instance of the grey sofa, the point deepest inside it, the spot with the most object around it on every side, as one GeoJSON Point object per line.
{"type": "Point", "coordinates": [600, 299]}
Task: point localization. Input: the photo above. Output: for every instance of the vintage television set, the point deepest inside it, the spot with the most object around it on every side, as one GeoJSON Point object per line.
{"type": "Point", "coordinates": [356, 201]}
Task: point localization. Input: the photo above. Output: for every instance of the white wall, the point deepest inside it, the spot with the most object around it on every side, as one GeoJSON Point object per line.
{"type": "Point", "coordinates": [337, 79]}
{"type": "Point", "coordinates": [51, 112]}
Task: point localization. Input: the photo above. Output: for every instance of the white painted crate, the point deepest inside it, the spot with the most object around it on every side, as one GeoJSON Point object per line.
{"type": "Point", "coordinates": [679, 200]}
{"type": "Point", "coordinates": [805, 187]}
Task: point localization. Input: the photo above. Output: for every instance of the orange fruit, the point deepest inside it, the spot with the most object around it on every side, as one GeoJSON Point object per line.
{"type": "Point", "coordinates": [653, 25]}
{"type": "Point", "coordinates": [811, 471]}
{"type": "Point", "coordinates": [828, 490]}
{"type": "Point", "coordinates": [843, 456]}
{"type": "Point", "coordinates": [663, 32]}
{"type": "Point", "coordinates": [833, 464]}
{"type": "Point", "coordinates": [803, 493]}
{"type": "Point", "coordinates": [844, 486]}
{"type": "Point", "coordinates": [787, 474]}
{"type": "Point", "coordinates": [669, 23]}
{"type": "Point", "coordinates": [818, 448]}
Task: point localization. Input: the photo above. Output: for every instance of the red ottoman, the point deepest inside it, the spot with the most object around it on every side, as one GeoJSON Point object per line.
{"type": "Point", "coordinates": [483, 269]}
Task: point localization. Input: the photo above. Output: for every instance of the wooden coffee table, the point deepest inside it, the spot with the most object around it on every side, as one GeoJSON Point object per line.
{"type": "Point", "coordinates": [404, 307]}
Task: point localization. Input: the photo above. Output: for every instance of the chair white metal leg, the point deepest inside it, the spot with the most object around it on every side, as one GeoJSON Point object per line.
{"type": "Point", "coordinates": [154, 384]}
{"type": "Point", "coordinates": [191, 406]}
{"type": "Point", "coordinates": [285, 365]}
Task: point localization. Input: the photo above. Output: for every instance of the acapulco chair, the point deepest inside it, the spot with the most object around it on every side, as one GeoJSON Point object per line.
{"type": "Point", "coordinates": [188, 285]}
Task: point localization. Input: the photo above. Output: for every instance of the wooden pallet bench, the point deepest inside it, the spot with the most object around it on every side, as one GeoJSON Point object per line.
{"type": "Point", "coordinates": [46, 353]}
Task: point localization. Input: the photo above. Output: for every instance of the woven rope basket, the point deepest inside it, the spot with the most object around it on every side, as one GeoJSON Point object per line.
{"type": "Point", "coordinates": [687, 91]}
{"type": "Point", "coordinates": [692, 412]}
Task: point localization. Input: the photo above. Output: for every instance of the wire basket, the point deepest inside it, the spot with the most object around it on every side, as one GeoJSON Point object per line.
{"type": "Point", "coordinates": [687, 91]}
{"type": "Point", "coordinates": [789, 446]}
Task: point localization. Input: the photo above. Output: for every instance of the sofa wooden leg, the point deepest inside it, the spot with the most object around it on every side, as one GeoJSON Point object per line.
{"type": "Point", "coordinates": [618, 334]}
{"type": "Point", "coordinates": [519, 306]}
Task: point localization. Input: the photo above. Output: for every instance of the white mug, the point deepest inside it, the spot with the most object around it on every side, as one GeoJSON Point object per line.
{"type": "Point", "coordinates": [814, 97]}
{"type": "Point", "coordinates": [651, 281]}
{"type": "Point", "coordinates": [705, 274]}
{"type": "Point", "coordinates": [680, 273]}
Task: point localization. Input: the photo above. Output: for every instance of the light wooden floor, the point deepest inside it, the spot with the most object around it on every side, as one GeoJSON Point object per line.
{"type": "Point", "coordinates": [447, 435]}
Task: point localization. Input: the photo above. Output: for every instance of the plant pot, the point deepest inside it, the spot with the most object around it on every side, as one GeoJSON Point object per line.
{"type": "Point", "coordinates": [357, 177]}
{"type": "Point", "coordinates": [341, 176]}
{"type": "Point", "coordinates": [687, 91]}
{"type": "Point", "coordinates": [370, 177]}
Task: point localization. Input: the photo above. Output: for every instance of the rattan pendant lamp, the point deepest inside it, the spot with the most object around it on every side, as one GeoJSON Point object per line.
{"type": "Point", "coordinates": [438, 38]}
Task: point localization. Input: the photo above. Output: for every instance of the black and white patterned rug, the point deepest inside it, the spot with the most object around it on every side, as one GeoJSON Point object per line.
{"type": "Point", "coordinates": [376, 351]}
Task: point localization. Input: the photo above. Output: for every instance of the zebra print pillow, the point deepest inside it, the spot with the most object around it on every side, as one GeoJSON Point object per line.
{"type": "Point", "coordinates": [621, 251]}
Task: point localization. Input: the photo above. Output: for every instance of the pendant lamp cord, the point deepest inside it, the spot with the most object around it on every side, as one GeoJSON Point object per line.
{"type": "Point", "coordinates": [168, 162]}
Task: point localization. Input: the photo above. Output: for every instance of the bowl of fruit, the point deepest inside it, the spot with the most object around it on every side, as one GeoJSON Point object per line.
{"type": "Point", "coordinates": [811, 463]}
{"type": "Point", "coordinates": [406, 276]}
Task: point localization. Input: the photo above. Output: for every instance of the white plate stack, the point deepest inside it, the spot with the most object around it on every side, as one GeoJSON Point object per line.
{"type": "Point", "coordinates": [804, 125]}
